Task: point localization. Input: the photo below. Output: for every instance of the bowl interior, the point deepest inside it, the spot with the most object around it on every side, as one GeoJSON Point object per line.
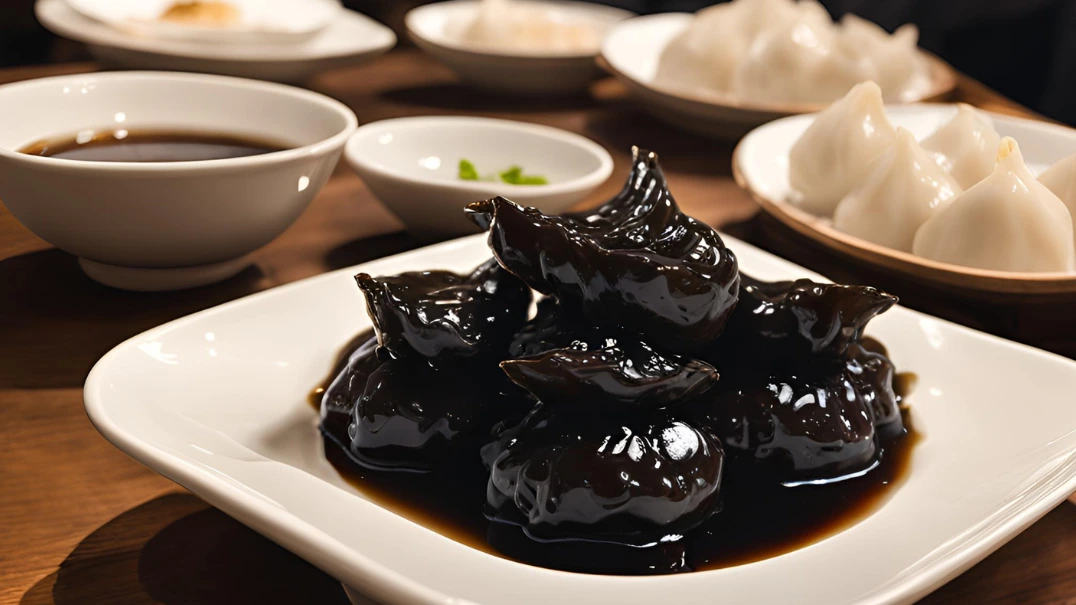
{"type": "Point", "coordinates": [761, 166]}
{"type": "Point", "coordinates": [441, 23]}
{"type": "Point", "coordinates": [430, 149]}
{"type": "Point", "coordinates": [63, 106]}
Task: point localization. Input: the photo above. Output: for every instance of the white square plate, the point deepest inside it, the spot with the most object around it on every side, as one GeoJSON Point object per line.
{"type": "Point", "coordinates": [217, 402]}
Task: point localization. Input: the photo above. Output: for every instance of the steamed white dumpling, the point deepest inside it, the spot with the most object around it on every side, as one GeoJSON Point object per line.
{"type": "Point", "coordinates": [904, 189]}
{"type": "Point", "coordinates": [836, 151]}
{"type": "Point", "coordinates": [1009, 221]}
{"type": "Point", "coordinates": [799, 62]}
{"type": "Point", "coordinates": [1061, 180]}
{"type": "Point", "coordinates": [527, 26]}
{"type": "Point", "coordinates": [965, 146]}
{"type": "Point", "coordinates": [897, 65]}
{"type": "Point", "coordinates": [704, 56]}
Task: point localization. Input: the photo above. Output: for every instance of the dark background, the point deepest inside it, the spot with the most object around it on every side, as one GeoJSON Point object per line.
{"type": "Point", "coordinates": [1025, 49]}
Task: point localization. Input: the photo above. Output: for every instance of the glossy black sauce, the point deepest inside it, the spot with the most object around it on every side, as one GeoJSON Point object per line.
{"type": "Point", "coordinates": [120, 145]}
{"type": "Point", "coordinates": [758, 517]}
{"type": "Point", "coordinates": [661, 412]}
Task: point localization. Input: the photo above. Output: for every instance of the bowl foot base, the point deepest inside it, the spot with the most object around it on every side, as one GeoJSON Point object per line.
{"type": "Point", "coordinates": [161, 280]}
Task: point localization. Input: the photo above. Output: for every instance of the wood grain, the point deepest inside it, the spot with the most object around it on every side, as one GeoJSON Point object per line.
{"type": "Point", "coordinates": [82, 524]}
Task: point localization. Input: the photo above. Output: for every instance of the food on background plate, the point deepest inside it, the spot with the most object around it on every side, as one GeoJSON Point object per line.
{"type": "Point", "coordinates": [904, 188]}
{"type": "Point", "coordinates": [660, 412]}
{"type": "Point", "coordinates": [215, 21]}
{"type": "Point", "coordinates": [123, 145]}
{"type": "Point", "coordinates": [212, 13]}
{"type": "Point", "coordinates": [522, 25]}
{"type": "Point", "coordinates": [939, 199]}
{"type": "Point", "coordinates": [1008, 221]}
{"type": "Point", "coordinates": [966, 146]}
{"type": "Point", "coordinates": [513, 175]}
{"type": "Point", "coordinates": [783, 51]}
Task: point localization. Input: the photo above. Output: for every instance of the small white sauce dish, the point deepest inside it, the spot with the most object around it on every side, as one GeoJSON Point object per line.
{"type": "Point", "coordinates": [350, 38]}
{"type": "Point", "coordinates": [412, 166]}
{"type": "Point", "coordinates": [166, 225]}
{"type": "Point", "coordinates": [436, 28]}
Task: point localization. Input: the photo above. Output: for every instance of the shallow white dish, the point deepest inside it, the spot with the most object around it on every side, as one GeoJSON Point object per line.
{"type": "Point", "coordinates": [218, 402]}
{"type": "Point", "coordinates": [511, 71]}
{"type": "Point", "coordinates": [412, 166]}
{"type": "Point", "coordinates": [760, 165]}
{"type": "Point", "coordinates": [167, 225]}
{"type": "Point", "coordinates": [633, 48]}
{"type": "Point", "coordinates": [350, 38]}
{"type": "Point", "coordinates": [259, 21]}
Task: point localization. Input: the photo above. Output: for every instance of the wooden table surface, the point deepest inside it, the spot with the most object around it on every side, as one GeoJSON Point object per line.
{"type": "Point", "coordinates": [80, 523]}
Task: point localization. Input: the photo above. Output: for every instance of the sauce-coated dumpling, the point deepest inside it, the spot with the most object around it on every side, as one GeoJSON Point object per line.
{"type": "Point", "coordinates": [635, 262]}
{"type": "Point", "coordinates": [838, 149]}
{"type": "Point", "coordinates": [1009, 221]}
{"type": "Point", "coordinates": [966, 146]}
{"type": "Point", "coordinates": [633, 479]}
{"type": "Point", "coordinates": [816, 420]}
{"type": "Point", "coordinates": [433, 313]}
{"type": "Point", "coordinates": [903, 190]}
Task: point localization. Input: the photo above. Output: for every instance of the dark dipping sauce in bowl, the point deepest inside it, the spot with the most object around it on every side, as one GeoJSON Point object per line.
{"type": "Point", "coordinates": [661, 412]}
{"type": "Point", "coordinates": [151, 146]}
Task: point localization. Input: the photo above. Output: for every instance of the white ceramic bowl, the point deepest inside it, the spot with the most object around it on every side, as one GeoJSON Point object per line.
{"type": "Point", "coordinates": [412, 166]}
{"type": "Point", "coordinates": [350, 38]}
{"type": "Point", "coordinates": [633, 49]}
{"type": "Point", "coordinates": [160, 226]}
{"type": "Point", "coordinates": [433, 26]}
{"type": "Point", "coordinates": [760, 166]}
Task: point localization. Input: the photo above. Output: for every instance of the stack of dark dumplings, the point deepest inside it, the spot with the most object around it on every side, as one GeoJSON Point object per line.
{"type": "Point", "coordinates": [653, 384]}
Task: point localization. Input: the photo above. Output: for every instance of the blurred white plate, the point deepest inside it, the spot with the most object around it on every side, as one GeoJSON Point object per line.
{"type": "Point", "coordinates": [259, 21]}
{"type": "Point", "coordinates": [218, 403]}
{"type": "Point", "coordinates": [633, 48]}
{"type": "Point", "coordinates": [434, 28]}
{"type": "Point", "coordinates": [349, 39]}
{"type": "Point", "coordinates": [760, 165]}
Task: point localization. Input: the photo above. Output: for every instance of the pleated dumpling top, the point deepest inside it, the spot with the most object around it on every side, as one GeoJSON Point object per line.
{"type": "Point", "coordinates": [1008, 221]}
